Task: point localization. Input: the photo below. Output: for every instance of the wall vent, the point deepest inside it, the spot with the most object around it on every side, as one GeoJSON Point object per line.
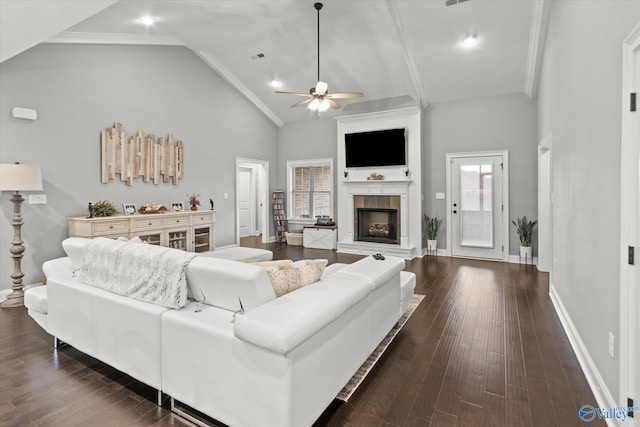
{"type": "Point", "coordinates": [453, 2]}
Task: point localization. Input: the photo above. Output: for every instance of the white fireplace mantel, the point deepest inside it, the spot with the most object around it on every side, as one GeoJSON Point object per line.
{"type": "Point", "coordinates": [403, 181]}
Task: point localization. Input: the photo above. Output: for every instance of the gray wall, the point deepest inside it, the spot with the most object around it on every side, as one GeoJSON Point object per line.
{"type": "Point", "coordinates": [306, 140]}
{"type": "Point", "coordinates": [79, 90]}
{"type": "Point", "coordinates": [495, 123]}
{"type": "Point", "coordinates": [580, 106]}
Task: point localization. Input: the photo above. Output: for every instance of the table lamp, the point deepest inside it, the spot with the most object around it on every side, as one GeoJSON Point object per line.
{"type": "Point", "coordinates": [18, 177]}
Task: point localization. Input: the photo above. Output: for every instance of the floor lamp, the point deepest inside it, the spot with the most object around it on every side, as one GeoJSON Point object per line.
{"type": "Point", "coordinates": [18, 177]}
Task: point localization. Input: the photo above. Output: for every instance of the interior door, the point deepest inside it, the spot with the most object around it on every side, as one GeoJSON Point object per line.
{"type": "Point", "coordinates": [630, 228]}
{"type": "Point", "coordinates": [476, 205]}
{"type": "Point", "coordinates": [245, 209]}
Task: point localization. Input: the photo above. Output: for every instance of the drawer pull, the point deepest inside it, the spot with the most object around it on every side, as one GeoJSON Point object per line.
{"type": "Point", "coordinates": [150, 223]}
{"type": "Point", "coordinates": [177, 220]}
{"type": "Point", "coordinates": [111, 227]}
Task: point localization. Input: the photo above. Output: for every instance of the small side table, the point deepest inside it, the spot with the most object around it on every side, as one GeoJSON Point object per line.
{"type": "Point", "coordinates": [320, 237]}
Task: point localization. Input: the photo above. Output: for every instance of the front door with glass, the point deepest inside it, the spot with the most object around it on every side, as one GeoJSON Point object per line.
{"type": "Point", "coordinates": [476, 206]}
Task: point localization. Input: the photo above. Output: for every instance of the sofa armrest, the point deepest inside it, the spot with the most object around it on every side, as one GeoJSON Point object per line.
{"type": "Point", "coordinates": [59, 267]}
{"type": "Point", "coordinates": [283, 324]}
{"type": "Point", "coordinates": [376, 272]}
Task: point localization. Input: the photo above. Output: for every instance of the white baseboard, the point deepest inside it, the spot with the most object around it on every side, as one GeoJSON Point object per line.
{"type": "Point", "coordinates": [439, 252]}
{"type": "Point", "coordinates": [598, 387]}
{"type": "Point", "coordinates": [515, 259]}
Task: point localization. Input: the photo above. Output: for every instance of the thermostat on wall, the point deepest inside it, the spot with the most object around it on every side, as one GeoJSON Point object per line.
{"type": "Point", "coordinates": [24, 113]}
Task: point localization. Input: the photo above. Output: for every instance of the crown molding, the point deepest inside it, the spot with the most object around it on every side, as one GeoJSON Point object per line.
{"type": "Point", "coordinates": [394, 13]}
{"type": "Point", "coordinates": [537, 37]}
{"type": "Point", "coordinates": [73, 37]}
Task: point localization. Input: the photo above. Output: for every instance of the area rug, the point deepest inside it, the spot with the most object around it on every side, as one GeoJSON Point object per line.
{"type": "Point", "coordinates": [368, 365]}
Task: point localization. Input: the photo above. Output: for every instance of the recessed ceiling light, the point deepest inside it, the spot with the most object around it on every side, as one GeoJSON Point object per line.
{"type": "Point", "coordinates": [275, 83]}
{"type": "Point", "coordinates": [147, 20]}
{"type": "Point", "coordinates": [470, 41]}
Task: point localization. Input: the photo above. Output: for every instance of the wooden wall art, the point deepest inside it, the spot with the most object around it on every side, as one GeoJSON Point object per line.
{"type": "Point", "coordinates": [142, 155]}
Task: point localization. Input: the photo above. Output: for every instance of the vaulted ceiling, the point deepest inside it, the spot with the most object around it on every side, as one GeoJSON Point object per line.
{"type": "Point", "coordinates": [394, 51]}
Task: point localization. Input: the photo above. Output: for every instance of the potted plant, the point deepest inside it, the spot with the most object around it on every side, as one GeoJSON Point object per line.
{"type": "Point", "coordinates": [193, 201]}
{"type": "Point", "coordinates": [104, 208]}
{"type": "Point", "coordinates": [525, 227]}
{"type": "Point", "coordinates": [432, 225]}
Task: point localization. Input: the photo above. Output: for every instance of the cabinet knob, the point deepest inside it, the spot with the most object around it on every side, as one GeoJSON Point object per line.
{"type": "Point", "coordinates": [150, 223]}
{"type": "Point", "coordinates": [177, 220]}
{"type": "Point", "coordinates": [111, 226]}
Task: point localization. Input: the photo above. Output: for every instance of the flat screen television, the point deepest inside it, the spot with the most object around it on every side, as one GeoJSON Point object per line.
{"type": "Point", "coordinates": [378, 148]}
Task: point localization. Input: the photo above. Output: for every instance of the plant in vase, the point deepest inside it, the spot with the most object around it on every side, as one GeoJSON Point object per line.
{"type": "Point", "coordinates": [104, 208]}
{"type": "Point", "coordinates": [193, 201]}
{"type": "Point", "coordinates": [431, 229]}
{"type": "Point", "coordinates": [525, 227]}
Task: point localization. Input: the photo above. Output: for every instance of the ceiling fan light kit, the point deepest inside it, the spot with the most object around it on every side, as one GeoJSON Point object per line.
{"type": "Point", "coordinates": [318, 98]}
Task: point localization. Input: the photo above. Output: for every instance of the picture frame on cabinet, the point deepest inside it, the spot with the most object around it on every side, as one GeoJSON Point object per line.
{"type": "Point", "coordinates": [129, 208]}
{"type": "Point", "coordinates": [177, 206]}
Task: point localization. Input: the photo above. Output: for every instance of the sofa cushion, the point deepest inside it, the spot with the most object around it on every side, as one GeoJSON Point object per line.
{"type": "Point", "coordinates": [283, 324]}
{"type": "Point", "coordinates": [35, 299]}
{"type": "Point", "coordinates": [224, 283]}
{"type": "Point", "coordinates": [73, 247]}
{"type": "Point", "coordinates": [375, 271]}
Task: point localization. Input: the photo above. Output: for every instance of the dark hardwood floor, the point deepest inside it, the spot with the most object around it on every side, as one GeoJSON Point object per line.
{"type": "Point", "coordinates": [484, 348]}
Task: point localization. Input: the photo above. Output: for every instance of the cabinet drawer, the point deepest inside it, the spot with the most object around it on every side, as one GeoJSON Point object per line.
{"type": "Point", "coordinates": [110, 227]}
{"type": "Point", "coordinates": [200, 218]}
{"type": "Point", "coordinates": [144, 224]}
{"type": "Point", "coordinates": [176, 220]}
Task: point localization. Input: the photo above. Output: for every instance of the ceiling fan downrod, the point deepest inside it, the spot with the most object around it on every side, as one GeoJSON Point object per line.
{"type": "Point", "coordinates": [318, 6]}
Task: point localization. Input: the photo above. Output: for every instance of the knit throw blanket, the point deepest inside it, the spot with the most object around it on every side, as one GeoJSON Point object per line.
{"type": "Point", "coordinates": [145, 272]}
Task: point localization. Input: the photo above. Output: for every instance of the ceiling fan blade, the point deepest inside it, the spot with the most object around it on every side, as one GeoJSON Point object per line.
{"type": "Point", "coordinates": [333, 104]}
{"type": "Point", "coordinates": [303, 102]}
{"type": "Point", "coordinates": [321, 88]}
{"type": "Point", "coordinates": [293, 93]}
{"type": "Point", "coordinates": [344, 95]}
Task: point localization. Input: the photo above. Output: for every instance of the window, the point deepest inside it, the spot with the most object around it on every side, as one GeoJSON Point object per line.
{"type": "Point", "coordinates": [310, 188]}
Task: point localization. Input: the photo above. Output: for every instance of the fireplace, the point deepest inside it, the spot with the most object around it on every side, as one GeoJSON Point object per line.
{"type": "Point", "coordinates": [377, 219]}
{"type": "Point", "coordinates": [377, 225]}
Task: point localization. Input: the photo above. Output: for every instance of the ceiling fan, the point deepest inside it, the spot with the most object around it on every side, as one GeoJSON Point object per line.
{"type": "Point", "coordinates": [318, 98]}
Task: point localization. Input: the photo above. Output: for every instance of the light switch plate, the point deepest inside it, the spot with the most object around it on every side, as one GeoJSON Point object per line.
{"type": "Point", "coordinates": [38, 199]}
{"type": "Point", "coordinates": [439, 196]}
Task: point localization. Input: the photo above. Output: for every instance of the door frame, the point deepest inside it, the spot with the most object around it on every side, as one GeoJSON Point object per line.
{"type": "Point", "coordinates": [629, 229]}
{"type": "Point", "coordinates": [262, 167]}
{"type": "Point", "coordinates": [253, 193]}
{"type": "Point", "coordinates": [545, 199]}
{"type": "Point", "coordinates": [505, 195]}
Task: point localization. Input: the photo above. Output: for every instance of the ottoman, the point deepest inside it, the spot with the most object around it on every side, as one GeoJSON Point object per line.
{"type": "Point", "coordinates": [237, 253]}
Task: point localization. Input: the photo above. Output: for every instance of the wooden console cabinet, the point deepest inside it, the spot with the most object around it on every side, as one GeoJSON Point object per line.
{"type": "Point", "coordinates": [188, 230]}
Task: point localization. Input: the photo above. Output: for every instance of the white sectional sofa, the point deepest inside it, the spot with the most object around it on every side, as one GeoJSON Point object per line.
{"type": "Point", "coordinates": [279, 362]}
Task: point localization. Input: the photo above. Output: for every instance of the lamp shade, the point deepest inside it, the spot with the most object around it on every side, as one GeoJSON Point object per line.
{"type": "Point", "coordinates": [19, 177]}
